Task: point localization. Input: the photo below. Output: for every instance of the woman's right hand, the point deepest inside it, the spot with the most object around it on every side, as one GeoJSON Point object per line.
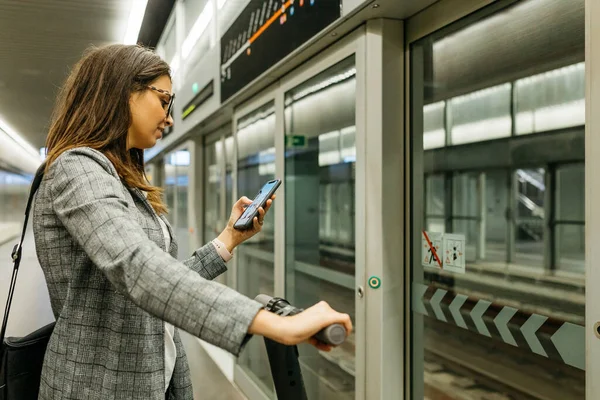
{"type": "Point", "coordinates": [301, 327]}
{"type": "Point", "coordinates": [232, 237]}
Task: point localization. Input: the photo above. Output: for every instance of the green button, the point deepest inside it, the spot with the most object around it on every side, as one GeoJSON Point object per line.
{"type": "Point", "coordinates": [374, 282]}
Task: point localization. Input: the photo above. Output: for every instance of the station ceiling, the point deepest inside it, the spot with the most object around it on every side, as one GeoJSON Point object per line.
{"type": "Point", "coordinates": [41, 40]}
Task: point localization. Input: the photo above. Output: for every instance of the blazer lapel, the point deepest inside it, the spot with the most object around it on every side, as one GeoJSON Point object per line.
{"type": "Point", "coordinates": [144, 200]}
{"type": "Point", "coordinates": [170, 228]}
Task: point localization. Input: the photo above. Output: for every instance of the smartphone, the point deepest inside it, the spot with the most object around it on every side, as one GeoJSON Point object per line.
{"type": "Point", "coordinates": [265, 193]}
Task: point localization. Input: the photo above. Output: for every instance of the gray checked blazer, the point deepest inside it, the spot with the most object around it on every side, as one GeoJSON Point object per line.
{"type": "Point", "coordinates": [112, 284]}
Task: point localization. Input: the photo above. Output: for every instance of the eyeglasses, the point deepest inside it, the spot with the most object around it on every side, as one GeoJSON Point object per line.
{"type": "Point", "coordinates": [168, 107]}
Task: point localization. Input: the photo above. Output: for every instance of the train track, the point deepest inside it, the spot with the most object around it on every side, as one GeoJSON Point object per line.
{"type": "Point", "coordinates": [452, 378]}
{"type": "Point", "coordinates": [459, 365]}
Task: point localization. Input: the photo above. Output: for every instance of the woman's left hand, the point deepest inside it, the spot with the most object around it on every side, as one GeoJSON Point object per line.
{"type": "Point", "coordinates": [232, 237]}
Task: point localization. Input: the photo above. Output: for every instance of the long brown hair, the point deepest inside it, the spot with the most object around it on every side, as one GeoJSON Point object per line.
{"type": "Point", "coordinates": [92, 110]}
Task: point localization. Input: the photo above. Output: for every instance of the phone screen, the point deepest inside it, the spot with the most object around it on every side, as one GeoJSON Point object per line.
{"type": "Point", "coordinates": [258, 201]}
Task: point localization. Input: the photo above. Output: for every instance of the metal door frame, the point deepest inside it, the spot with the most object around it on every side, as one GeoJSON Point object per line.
{"type": "Point", "coordinates": [345, 47]}
{"type": "Point", "coordinates": [592, 196]}
{"type": "Point", "coordinates": [351, 45]}
{"type": "Point", "coordinates": [378, 47]}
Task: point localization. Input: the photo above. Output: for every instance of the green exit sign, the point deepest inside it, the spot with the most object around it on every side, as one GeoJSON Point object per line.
{"type": "Point", "coordinates": [295, 141]}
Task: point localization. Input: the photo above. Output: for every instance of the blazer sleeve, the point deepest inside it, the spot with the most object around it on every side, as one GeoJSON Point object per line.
{"type": "Point", "coordinates": [92, 204]}
{"type": "Point", "coordinates": [207, 262]}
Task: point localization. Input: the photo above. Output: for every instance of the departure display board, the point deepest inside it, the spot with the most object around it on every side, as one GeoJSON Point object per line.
{"type": "Point", "coordinates": [265, 32]}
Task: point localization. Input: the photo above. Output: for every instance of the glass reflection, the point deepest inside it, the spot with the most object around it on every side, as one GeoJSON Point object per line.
{"type": "Point", "coordinates": [255, 269]}
{"type": "Point", "coordinates": [570, 218]}
{"type": "Point", "coordinates": [497, 134]}
{"type": "Point", "coordinates": [229, 163]}
{"type": "Point", "coordinates": [212, 190]}
{"type": "Point", "coordinates": [530, 212]}
{"type": "Point", "coordinates": [169, 187]}
{"type": "Point", "coordinates": [320, 213]}
{"type": "Point", "coordinates": [14, 191]}
{"type": "Point", "coordinates": [182, 230]}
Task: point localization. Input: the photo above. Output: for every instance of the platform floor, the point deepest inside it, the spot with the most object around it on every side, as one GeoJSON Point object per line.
{"type": "Point", "coordinates": [31, 310]}
{"type": "Point", "coordinates": [9, 231]}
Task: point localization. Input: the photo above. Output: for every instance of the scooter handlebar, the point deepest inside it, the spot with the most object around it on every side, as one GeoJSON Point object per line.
{"type": "Point", "coordinates": [334, 334]}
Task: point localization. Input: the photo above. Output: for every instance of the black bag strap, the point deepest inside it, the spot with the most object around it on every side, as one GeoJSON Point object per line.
{"type": "Point", "coordinates": [17, 250]}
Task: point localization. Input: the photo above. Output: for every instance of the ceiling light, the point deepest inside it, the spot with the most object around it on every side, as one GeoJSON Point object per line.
{"type": "Point", "coordinates": [322, 85]}
{"type": "Point", "coordinates": [136, 16]}
{"type": "Point", "coordinates": [197, 30]}
{"type": "Point", "coordinates": [18, 139]}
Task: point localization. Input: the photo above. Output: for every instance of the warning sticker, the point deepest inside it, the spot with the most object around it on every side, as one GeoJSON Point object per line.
{"type": "Point", "coordinates": [431, 249]}
{"type": "Point", "coordinates": [454, 253]}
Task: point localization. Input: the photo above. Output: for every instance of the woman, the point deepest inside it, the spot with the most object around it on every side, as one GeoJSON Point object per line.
{"type": "Point", "coordinates": [107, 251]}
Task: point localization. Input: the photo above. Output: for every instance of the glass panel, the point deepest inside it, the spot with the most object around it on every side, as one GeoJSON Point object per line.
{"type": "Point", "coordinates": [481, 115]}
{"type": "Point", "coordinates": [320, 214]}
{"type": "Point", "coordinates": [552, 100]}
{"type": "Point", "coordinates": [182, 231]}
{"type": "Point", "coordinates": [436, 225]}
{"type": "Point", "coordinates": [434, 129]}
{"type": "Point", "coordinates": [570, 248]}
{"type": "Point", "coordinates": [212, 191]}
{"type": "Point", "coordinates": [150, 171]}
{"type": "Point", "coordinates": [14, 192]}
{"type": "Point", "coordinates": [465, 195]}
{"type": "Point", "coordinates": [496, 224]}
{"type": "Point", "coordinates": [530, 211]}
{"type": "Point", "coordinates": [169, 185]}
{"type": "Point", "coordinates": [503, 317]}
{"type": "Point", "coordinates": [466, 211]}
{"type": "Point", "coordinates": [570, 193]}
{"type": "Point", "coordinates": [486, 224]}
{"type": "Point", "coordinates": [436, 195]}
{"type": "Point", "coordinates": [229, 162]}
{"type": "Point", "coordinates": [470, 230]}
{"type": "Point", "coordinates": [255, 268]}
{"type": "Point", "coordinates": [570, 215]}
